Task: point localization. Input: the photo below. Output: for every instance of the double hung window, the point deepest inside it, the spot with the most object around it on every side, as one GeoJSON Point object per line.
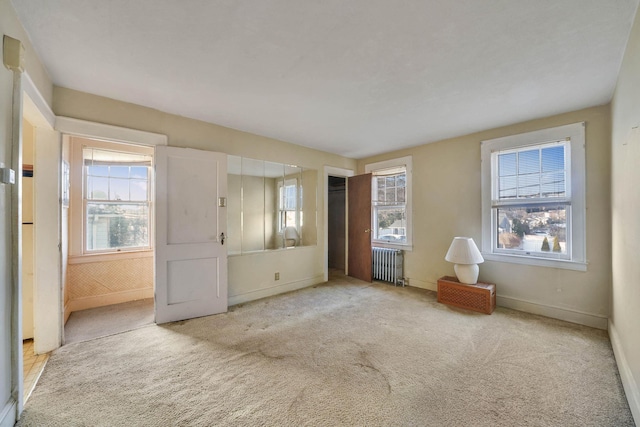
{"type": "Point", "coordinates": [391, 193]}
{"type": "Point", "coordinates": [116, 200]}
{"type": "Point", "coordinates": [533, 197]}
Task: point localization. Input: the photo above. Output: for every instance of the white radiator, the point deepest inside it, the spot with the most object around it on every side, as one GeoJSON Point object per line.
{"type": "Point", "coordinates": [387, 265]}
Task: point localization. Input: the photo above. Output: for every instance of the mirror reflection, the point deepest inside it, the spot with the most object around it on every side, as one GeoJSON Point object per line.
{"type": "Point", "coordinates": [270, 206]}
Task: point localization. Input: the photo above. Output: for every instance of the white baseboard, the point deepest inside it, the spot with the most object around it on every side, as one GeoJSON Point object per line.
{"type": "Point", "coordinates": [275, 290]}
{"type": "Point", "coordinates": [8, 414]}
{"type": "Point", "coordinates": [629, 383]}
{"type": "Point", "coordinates": [108, 299]}
{"type": "Point", "coordinates": [416, 283]}
{"type": "Point", "coordinates": [573, 316]}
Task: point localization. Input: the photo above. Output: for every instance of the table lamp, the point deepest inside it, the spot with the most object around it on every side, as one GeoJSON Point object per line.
{"type": "Point", "coordinates": [464, 253]}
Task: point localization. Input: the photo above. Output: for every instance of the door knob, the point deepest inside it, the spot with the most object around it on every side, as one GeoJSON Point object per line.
{"type": "Point", "coordinates": [368, 230]}
{"type": "Point", "coordinates": [222, 238]}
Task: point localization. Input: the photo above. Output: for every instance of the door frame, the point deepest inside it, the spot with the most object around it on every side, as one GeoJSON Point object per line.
{"type": "Point", "coordinates": [68, 127]}
{"type": "Point", "coordinates": [340, 173]}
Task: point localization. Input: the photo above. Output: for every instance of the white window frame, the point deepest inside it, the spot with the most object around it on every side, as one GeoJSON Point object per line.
{"type": "Point", "coordinates": [407, 163]}
{"type": "Point", "coordinates": [282, 205]}
{"type": "Point", "coordinates": [574, 135]}
{"type": "Point", "coordinates": [86, 200]}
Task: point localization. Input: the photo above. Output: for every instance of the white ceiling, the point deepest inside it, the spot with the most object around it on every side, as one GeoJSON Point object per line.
{"type": "Point", "coordinates": [355, 77]}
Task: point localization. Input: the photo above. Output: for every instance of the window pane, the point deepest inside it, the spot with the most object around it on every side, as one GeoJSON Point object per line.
{"type": "Point", "coordinates": [390, 195]}
{"type": "Point", "coordinates": [118, 189]}
{"type": "Point", "coordinates": [401, 194]}
{"type": "Point", "coordinates": [119, 171]}
{"type": "Point", "coordinates": [508, 187]}
{"type": "Point", "coordinates": [138, 190]}
{"type": "Point", "coordinates": [390, 181]}
{"type": "Point", "coordinates": [533, 229]}
{"type": "Point", "coordinates": [507, 164]}
{"type": "Point", "coordinates": [553, 184]}
{"type": "Point", "coordinates": [98, 170]}
{"type": "Point", "coordinates": [529, 185]}
{"type": "Point", "coordinates": [112, 226]}
{"type": "Point", "coordinates": [380, 194]}
{"type": "Point", "coordinates": [553, 158]}
{"type": "Point", "coordinates": [97, 188]}
{"type": "Point", "coordinates": [138, 172]}
{"type": "Point", "coordinates": [391, 224]}
{"type": "Point", "coordinates": [529, 161]}
{"type": "Point", "coordinates": [401, 180]}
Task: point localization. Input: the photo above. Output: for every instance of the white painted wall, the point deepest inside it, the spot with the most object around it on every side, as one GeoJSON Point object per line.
{"type": "Point", "coordinates": [624, 327]}
{"type": "Point", "coordinates": [10, 25]}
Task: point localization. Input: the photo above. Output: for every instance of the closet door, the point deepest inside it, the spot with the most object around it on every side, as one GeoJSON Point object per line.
{"type": "Point", "coordinates": [359, 217]}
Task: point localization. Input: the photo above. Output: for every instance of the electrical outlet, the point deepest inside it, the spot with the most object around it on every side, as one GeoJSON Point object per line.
{"type": "Point", "coordinates": [277, 276]}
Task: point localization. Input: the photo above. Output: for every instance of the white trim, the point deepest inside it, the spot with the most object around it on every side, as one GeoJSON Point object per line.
{"type": "Point", "coordinates": [84, 128]}
{"type": "Point", "coordinates": [576, 186]}
{"type": "Point", "coordinates": [38, 100]}
{"type": "Point", "coordinates": [629, 383]}
{"type": "Point", "coordinates": [422, 284]}
{"type": "Point", "coordinates": [539, 262]}
{"type": "Point", "coordinates": [8, 414]}
{"type": "Point", "coordinates": [275, 290]}
{"type": "Point", "coordinates": [111, 256]}
{"type": "Point", "coordinates": [343, 173]}
{"type": "Point", "coordinates": [574, 316]}
{"type": "Point", "coordinates": [407, 162]}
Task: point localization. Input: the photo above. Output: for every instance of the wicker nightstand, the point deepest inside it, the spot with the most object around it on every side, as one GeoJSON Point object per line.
{"type": "Point", "coordinates": [479, 297]}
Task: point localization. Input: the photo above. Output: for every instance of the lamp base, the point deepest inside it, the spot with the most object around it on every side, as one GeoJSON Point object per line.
{"type": "Point", "coordinates": [467, 273]}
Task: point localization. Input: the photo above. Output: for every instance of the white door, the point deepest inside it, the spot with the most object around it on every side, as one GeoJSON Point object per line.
{"type": "Point", "coordinates": [191, 255]}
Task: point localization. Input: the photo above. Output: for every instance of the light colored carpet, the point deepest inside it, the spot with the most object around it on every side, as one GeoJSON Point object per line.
{"type": "Point", "coordinates": [342, 353]}
{"type": "Point", "coordinates": [99, 322]}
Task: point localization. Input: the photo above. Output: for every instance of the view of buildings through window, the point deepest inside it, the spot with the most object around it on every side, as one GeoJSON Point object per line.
{"type": "Point", "coordinates": [532, 205]}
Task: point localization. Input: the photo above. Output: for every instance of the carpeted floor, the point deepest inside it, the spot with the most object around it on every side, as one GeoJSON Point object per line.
{"type": "Point", "coordinates": [99, 322]}
{"type": "Point", "coordinates": [342, 353]}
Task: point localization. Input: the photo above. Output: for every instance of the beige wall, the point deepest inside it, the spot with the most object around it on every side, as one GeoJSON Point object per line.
{"type": "Point", "coordinates": [250, 276]}
{"type": "Point", "coordinates": [624, 326]}
{"type": "Point", "coordinates": [446, 203]}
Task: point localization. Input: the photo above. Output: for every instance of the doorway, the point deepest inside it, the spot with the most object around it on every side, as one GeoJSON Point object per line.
{"type": "Point", "coordinates": [335, 220]}
{"type": "Point", "coordinates": [337, 223]}
{"type": "Point", "coordinates": [109, 287]}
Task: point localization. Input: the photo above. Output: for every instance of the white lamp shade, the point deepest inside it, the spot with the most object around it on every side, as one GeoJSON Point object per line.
{"type": "Point", "coordinates": [463, 250]}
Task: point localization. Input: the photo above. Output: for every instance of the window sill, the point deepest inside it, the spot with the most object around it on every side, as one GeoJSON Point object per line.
{"type": "Point", "coordinates": [536, 262]}
{"type": "Point", "coordinates": [112, 256]}
{"type": "Point", "coordinates": [407, 248]}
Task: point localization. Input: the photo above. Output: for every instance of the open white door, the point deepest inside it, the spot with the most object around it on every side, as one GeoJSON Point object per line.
{"type": "Point", "coordinates": [191, 257]}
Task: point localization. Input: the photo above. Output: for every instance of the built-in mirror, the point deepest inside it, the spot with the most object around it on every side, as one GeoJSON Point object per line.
{"type": "Point", "coordinates": [270, 206]}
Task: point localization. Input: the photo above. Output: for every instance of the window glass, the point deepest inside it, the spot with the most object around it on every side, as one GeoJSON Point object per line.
{"type": "Point", "coordinates": [116, 200]}
{"type": "Point", "coordinates": [533, 203]}
{"type": "Point", "coordinates": [389, 209]}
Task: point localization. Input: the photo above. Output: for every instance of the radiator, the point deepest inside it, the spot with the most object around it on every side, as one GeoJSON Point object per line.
{"type": "Point", "coordinates": [387, 265]}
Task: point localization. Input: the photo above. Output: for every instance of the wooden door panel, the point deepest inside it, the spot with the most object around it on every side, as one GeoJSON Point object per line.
{"type": "Point", "coordinates": [359, 217]}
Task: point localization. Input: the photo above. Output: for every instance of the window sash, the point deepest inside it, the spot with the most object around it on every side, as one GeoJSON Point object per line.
{"type": "Point", "coordinates": [573, 138]}
{"type": "Point", "coordinates": [550, 254]}
{"type": "Point", "coordinates": [147, 205]}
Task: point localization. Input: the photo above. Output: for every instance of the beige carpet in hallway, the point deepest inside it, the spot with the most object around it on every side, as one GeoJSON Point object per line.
{"type": "Point", "coordinates": [342, 353]}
